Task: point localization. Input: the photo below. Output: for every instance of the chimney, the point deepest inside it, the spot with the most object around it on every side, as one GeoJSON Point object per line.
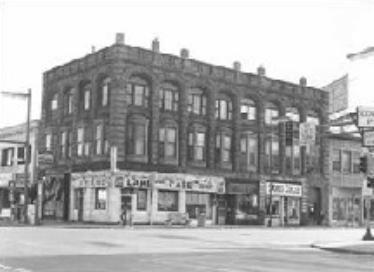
{"type": "Point", "coordinates": [185, 53]}
{"type": "Point", "coordinates": [237, 66]}
{"type": "Point", "coordinates": [303, 82]}
{"type": "Point", "coordinates": [261, 71]}
{"type": "Point", "coordinates": [120, 38]}
{"type": "Point", "coordinates": [93, 49]}
{"type": "Point", "coordinates": [156, 45]}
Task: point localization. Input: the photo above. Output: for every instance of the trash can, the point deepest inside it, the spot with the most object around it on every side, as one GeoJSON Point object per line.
{"type": "Point", "coordinates": [201, 220]}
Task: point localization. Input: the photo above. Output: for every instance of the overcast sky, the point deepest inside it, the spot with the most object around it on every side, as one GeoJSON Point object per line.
{"type": "Point", "coordinates": [290, 38]}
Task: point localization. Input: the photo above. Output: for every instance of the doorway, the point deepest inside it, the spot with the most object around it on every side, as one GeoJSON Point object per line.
{"type": "Point", "coordinates": [79, 203]}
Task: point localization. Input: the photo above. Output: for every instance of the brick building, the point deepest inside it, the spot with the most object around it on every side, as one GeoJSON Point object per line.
{"type": "Point", "coordinates": [188, 138]}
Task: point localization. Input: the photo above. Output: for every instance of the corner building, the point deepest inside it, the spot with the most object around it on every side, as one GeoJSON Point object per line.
{"type": "Point", "coordinates": [189, 139]}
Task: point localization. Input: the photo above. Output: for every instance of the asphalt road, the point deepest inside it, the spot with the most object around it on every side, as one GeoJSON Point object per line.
{"type": "Point", "coordinates": [59, 249]}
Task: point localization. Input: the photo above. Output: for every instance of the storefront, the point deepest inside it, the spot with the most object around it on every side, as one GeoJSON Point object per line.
{"type": "Point", "coordinates": [145, 197]}
{"type": "Point", "coordinates": [242, 202]}
{"type": "Point", "coordinates": [346, 206]}
{"type": "Point", "coordinates": [283, 203]}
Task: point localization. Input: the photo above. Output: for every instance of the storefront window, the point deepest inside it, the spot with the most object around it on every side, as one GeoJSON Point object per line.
{"type": "Point", "coordinates": [339, 209]}
{"type": "Point", "coordinates": [167, 201]}
{"type": "Point", "coordinates": [198, 203]}
{"type": "Point", "coordinates": [100, 198]}
{"type": "Point", "coordinates": [273, 206]}
{"type": "Point", "coordinates": [293, 208]}
{"type": "Point", "coordinates": [247, 204]}
{"type": "Point", "coordinates": [141, 200]}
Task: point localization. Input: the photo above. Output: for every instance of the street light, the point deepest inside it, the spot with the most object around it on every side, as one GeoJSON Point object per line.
{"type": "Point", "coordinates": [27, 144]}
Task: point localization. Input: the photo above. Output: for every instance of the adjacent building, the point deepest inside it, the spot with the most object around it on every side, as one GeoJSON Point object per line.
{"type": "Point", "coordinates": [12, 166]}
{"type": "Point", "coordinates": [168, 138]}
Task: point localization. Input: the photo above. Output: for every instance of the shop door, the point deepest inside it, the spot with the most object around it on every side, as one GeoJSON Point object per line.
{"type": "Point", "coordinates": [231, 206]}
{"type": "Point", "coordinates": [66, 196]}
{"type": "Point", "coordinates": [291, 211]}
{"type": "Point", "coordinates": [126, 207]}
{"type": "Point", "coordinates": [79, 203]}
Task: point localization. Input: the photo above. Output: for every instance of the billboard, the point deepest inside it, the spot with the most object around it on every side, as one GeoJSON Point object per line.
{"type": "Point", "coordinates": [338, 94]}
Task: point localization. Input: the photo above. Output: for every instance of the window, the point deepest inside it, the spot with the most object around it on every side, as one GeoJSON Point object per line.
{"type": "Point", "coordinates": [80, 141]}
{"type": "Point", "coordinates": [69, 140]}
{"type": "Point", "coordinates": [7, 157]}
{"type": "Point", "coordinates": [86, 96]}
{"type": "Point", "coordinates": [137, 138]}
{"type": "Point", "coordinates": [272, 154]}
{"type": "Point", "coordinates": [169, 98]}
{"type": "Point", "coordinates": [272, 207]}
{"type": "Point", "coordinates": [356, 162]}
{"type": "Point", "coordinates": [223, 148]}
{"type": "Point", "coordinates": [100, 198]}
{"type": "Point", "coordinates": [54, 103]}
{"type": "Point", "coordinates": [336, 160]}
{"type": "Point", "coordinates": [21, 156]}
{"type": "Point", "coordinates": [141, 200]}
{"type": "Point", "coordinates": [104, 93]}
{"type": "Point", "coordinates": [196, 102]}
{"type": "Point", "coordinates": [248, 110]}
{"type": "Point", "coordinates": [168, 142]}
{"type": "Point", "coordinates": [223, 109]}
{"type": "Point", "coordinates": [99, 139]}
{"type": "Point", "coordinates": [313, 150]}
{"type": "Point", "coordinates": [346, 161]}
{"type": "Point", "coordinates": [271, 114]}
{"type": "Point", "coordinates": [167, 201]}
{"type": "Point", "coordinates": [248, 151]}
{"type": "Point", "coordinates": [196, 146]}
{"type": "Point", "coordinates": [48, 142]}
{"type": "Point", "coordinates": [63, 140]}
{"type": "Point", "coordinates": [138, 92]}
{"type": "Point", "coordinates": [68, 102]}
{"type": "Point", "coordinates": [293, 114]}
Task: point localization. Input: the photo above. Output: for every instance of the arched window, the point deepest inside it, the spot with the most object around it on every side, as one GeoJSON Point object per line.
{"type": "Point", "coordinates": [138, 92]}
{"type": "Point", "coordinates": [223, 108]}
{"type": "Point", "coordinates": [137, 136]}
{"type": "Point", "coordinates": [68, 101]}
{"type": "Point", "coordinates": [248, 151]}
{"type": "Point", "coordinates": [104, 92]}
{"type": "Point", "coordinates": [271, 113]}
{"type": "Point", "coordinates": [85, 96]}
{"type": "Point", "coordinates": [248, 109]}
{"type": "Point", "coordinates": [169, 97]}
{"type": "Point", "coordinates": [196, 101]}
{"type": "Point", "coordinates": [196, 144]}
{"type": "Point", "coordinates": [54, 102]}
{"type": "Point", "coordinates": [223, 154]}
{"type": "Point", "coordinates": [168, 141]}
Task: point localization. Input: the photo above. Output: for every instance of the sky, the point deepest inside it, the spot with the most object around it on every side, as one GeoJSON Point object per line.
{"type": "Point", "coordinates": [290, 38]}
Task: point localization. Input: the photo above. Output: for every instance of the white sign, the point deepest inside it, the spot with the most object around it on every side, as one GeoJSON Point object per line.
{"type": "Point", "coordinates": [307, 133]}
{"type": "Point", "coordinates": [283, 189]}
{"type": "Point", "coordinates": [5, 178]}
{"type": "Point", "coordinates": [368, 138]}
{"type": "Point", "coordinates": [91, 179]}
{"type": "Point", "coordinates": [365, 116]}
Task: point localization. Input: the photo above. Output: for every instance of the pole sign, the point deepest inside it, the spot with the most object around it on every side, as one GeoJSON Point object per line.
{"type": "Point", "coordinates": [307, 133]}
{"type": "Point", "coordinates": [368, 138]}
{"type": "Point", "coordinates": [365, 116]}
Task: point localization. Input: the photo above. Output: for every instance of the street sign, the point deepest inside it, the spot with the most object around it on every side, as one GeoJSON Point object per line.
{"type": "Point", "coordinates": [365, 116]}
{"type": "Point", "coordinates": [368, 138]}
{"type": "Point", "coordinates": [307, 133]}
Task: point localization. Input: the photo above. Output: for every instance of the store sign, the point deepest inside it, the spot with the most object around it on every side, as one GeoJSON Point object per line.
{"type": "Point", "coordinates": [190, 183]}
{"type": "Point", "coordinates": [242, 188]}
{"type": "Point", "coordinates": [283, 189]}
{"type": "Point", "coordinates": [4, 179]}
{"type": "Point", "coordinates": [45, 160]}
{"type": "Point", "coordinates": [365, 116]}
{"type": "Point", "coordinates": [133, 179]}
{"type": "Point", "coordinates": [368, 138]}
{"type": "Point", "coordinates": [90, 180]}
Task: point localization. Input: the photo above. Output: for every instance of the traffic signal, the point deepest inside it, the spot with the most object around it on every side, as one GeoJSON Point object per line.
{"type": "Point", "coordinates": [363, 164]}
{"type": "Point", "coordinates": [370, 182]}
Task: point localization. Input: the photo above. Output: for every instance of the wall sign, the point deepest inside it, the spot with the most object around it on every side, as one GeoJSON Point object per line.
{"type": "Point", "coordinates": [283, 189]}
{"type": "Point", "coordinates": [91, 180]}
{"type": "Point", "coordinates": [133, 179]}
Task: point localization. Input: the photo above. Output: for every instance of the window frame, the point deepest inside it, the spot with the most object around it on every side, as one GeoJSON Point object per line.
{"type": "Point", "coordinates": [164, 143]}
{"type": "Point", "coordinates": [194, 95]}
{"type": "Point", "coordinates": [173, 91]}
{"type": "Point", "coordinates": [100, 204]}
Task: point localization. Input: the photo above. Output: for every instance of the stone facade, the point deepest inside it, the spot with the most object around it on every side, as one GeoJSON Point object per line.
{"type": "Point", "coordinates": [121, 63]}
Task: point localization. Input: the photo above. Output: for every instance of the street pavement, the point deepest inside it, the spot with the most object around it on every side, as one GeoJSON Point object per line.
{"type": "Point", "coordinates": [31, 249]}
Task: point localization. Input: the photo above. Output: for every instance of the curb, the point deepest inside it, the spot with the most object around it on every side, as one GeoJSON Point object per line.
{"type": "Point", "coordinates": [343, 250]}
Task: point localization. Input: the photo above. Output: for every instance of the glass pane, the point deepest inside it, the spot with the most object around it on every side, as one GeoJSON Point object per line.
{"type": "Point", "coordinates": [227, 142]}
{"type": "Point", "coordinates": [168, 100]}
{"type": "Point", "coordinates": [170, 150]}
{"type": "Point", "coordinates": [138, 95]}
{"type": "Point", "coordinates": [200, 139]}
{"type": "Point", "coordinates": [162, 135]}
{"type": "Point", "coordinates": [199, 153]}
{"type": "Point", "coordinates": [190, 139]}
{"type": "Point", "coordinates": [223, 109]}
{"type": "Point", "coordinates": [196, 104]}
{"type": "Point", "coordinates": [171, 135]}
